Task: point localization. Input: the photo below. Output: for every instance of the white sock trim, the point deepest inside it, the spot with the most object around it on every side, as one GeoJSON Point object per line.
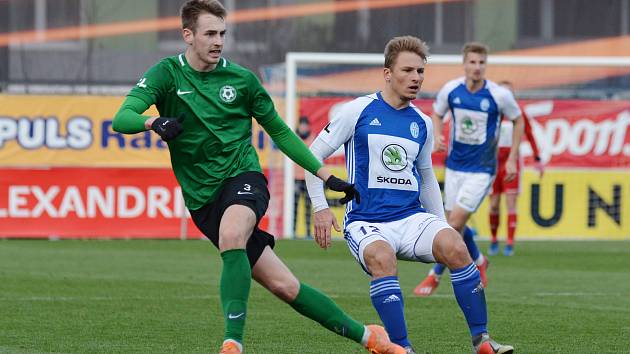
{"type": "Point", "coordinates": [435, 275]}
{"type": "Point", "coordinates": [366, 336]}
{"type": "Point", "coordinates": [480, 259]}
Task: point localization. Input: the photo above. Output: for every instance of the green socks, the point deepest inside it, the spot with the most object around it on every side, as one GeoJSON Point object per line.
{"type": "Point", "coordinates": [235, 285]}
{"type": "Point", "coordinates": [236, 279]}
{"type": "Point", "coordinates": [317, 306]}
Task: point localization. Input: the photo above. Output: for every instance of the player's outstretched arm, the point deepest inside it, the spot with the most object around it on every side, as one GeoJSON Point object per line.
{"type": "Point", "coordinates": [323, 218]}
{"type": "Point", "coordinates": [512, 161]}
{"type": "Point", "coordinates": [129, 119]}
{"type": "Point", "coordinates": [430, 196]}
{"type": "Point", "coordinates": [529, 134]}
{"type": "Point", "coordinates": [438, 139]}
{"type": "Point", "coordinates": [292, 146]}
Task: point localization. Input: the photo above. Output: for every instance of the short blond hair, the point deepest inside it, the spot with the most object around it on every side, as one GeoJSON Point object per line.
{"type": "Point", "coordinates": [401, 44]}
{"type": "Point", "coordinates": [474, 47]}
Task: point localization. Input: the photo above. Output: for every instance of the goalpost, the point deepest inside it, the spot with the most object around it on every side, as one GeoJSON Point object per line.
{"type": "Point", "coordinates": [550, 65]}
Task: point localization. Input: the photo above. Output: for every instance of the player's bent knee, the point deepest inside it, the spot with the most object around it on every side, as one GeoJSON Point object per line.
{"type": "Point", "coordinates": [231, 239]}
{"type": "Point", "coordinates": [380, 259]}
{"type": "Point", "coordinates": [450, 249]}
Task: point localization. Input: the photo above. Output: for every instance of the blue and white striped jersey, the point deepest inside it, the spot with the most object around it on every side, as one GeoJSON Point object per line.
{"type": "Point", "coordinates": [475, 121]}
{"type": "Point", "coordinates": [384, 149]}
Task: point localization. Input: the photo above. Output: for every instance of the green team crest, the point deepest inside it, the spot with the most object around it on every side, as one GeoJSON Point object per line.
{"type": "Point", "coordinates": [227, 94]}
{"type": "Point", "coordinates": [394, 157]}
{"type": "Point", "coordinates": [468, 126]}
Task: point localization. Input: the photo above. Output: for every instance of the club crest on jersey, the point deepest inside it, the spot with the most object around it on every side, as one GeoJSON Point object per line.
{"type": "Point", "coordinates": [484, 105]}
{"type": "Point", "coordinates": [394, 157]}
{"type": "Point", "coordinates": [414, 129]}
{"type": "Point", "coordinates": [227, 94]}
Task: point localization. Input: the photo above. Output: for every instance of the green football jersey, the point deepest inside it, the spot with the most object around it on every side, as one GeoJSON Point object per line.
{"type": "Point", "coordinates": [217, 107]}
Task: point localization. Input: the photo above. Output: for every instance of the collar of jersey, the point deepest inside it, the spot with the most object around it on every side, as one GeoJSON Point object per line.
{"type": "Point", "coordinates": [221, 64]}
{"type": "Point", "coordinates": [380, 97]}
{"type": "Point", "coordinates": [485, 84]}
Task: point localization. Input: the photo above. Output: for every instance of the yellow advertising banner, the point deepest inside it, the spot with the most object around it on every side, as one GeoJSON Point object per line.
{"type": "Point", "coordinates": [568, 204]}
{"type": "Point", "coordinates": [72, 131]}
{"type": "Point", "coordinates": [563, 204]}
{"type": "Point", "coordinates": [76, 131]}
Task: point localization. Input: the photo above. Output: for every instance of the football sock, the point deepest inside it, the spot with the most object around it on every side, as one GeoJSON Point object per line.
{"type": "Point", "coordinates": [470, 297]}
{"type": "Point", "coordinates": [236, 279]}
{"type": "Point", "coordinates": [494, 226]}
{"type": "Point", "coordinates": [437, 270]}
{"type": "Point", "coordinates": [511, 228]}
{"type": "Point", "coordinates": [320, 308]}
{"type": "Point", "coordinates": [388, 301]}
{"type": "Point", "coordinates": [470, 243]}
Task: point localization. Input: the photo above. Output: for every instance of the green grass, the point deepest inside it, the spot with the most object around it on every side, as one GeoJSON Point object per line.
{"type": "Point", "coordinates": [162, 296]}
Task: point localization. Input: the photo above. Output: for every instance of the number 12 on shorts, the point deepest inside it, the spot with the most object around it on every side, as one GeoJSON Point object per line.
{"type": "Point", "coordinates": [373, 229]}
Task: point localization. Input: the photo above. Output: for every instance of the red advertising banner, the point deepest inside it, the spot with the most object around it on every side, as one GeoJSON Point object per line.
{"type": "Point", "coordinates": [86, 192]}
{"type": "Point", "coordinates": [88, 202]}
{"type": "Point", "coordinates": [94, 202]}
{"type": "Point", "coordinates": [569, 133]}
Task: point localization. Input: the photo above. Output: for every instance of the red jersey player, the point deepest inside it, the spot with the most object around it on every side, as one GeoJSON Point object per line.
{"type": "Point", "coordinates": [510, 189]}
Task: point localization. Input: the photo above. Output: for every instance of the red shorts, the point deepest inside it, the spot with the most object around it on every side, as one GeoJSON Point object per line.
{"type": "Point", "coordinates": [500, 186]}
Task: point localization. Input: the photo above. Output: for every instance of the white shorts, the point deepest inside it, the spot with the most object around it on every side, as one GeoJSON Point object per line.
{"type": "Point", "coordinates": [466, 189]}
{"type": "Point", "coordinates": [411, 238]}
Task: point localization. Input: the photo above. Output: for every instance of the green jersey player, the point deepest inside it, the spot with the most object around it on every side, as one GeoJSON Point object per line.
{"type": "Point", "coordinates": [206, 104]}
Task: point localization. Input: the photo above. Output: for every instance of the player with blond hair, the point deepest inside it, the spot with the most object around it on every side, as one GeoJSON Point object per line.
{"type": "Point", "coordinates": [476, 106]}
{"type": "Point", "coordinates": [388, 143]}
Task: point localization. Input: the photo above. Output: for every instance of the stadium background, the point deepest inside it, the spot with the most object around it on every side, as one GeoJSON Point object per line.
{"type": "Point", "coordinates": [65, 66]}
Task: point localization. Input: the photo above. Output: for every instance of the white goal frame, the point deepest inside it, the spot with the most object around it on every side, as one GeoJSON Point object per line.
{"type": "Point", "coordinates": [294, 59]}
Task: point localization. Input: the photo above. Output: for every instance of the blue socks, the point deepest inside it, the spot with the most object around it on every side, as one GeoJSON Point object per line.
{"type": "Point", "coordinates": [470, 297]}
{"type": "Point", "coordinates": [473, 250]}
{"type": "Point", "coordinates": [438, 269]}
{"type": "Point", "coordinates": [388, 301]}
{"type": "Point", "coordinates": [470, 243]}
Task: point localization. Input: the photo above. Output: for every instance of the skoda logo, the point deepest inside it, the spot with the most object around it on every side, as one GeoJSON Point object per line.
{"type": "Point", "coordinates": [394, 157]}
{"type": "Point", "coordinates": [227, 93]}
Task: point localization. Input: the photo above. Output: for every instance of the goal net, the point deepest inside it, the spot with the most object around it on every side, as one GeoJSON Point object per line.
{"type": "Point", "coordinates": [579, 109]}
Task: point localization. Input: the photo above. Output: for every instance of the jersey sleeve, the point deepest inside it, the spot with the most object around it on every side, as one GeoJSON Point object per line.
{"type": "Point", "coordinates": [529, 133]}
{"type": "Point", "coordinates": [260, 103]}
{"type": "Point", "coordinates": [153, 84]}
{"type": "Point", "coordinates": [341, 128]}
{"type": "Point", "coordinates": [290, 144]}
{"type": "Point", "coordinates": [509, 107]}
{"type": "Point", "coordinates": [261, 107]}
{"type": "Point", "coordinates": [440, 105]}
{"type": "Point", "coordinates": [129, 119]}
{"type": "Point", "coordinates": [430, 196]}
{"type": "Point", "coordinates": [424, 156]}
{"type": "Point", "coordinates": [314, 185]}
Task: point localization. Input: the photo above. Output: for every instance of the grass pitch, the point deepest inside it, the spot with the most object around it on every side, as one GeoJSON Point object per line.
{"type": "Point", "coordinates": [162, 296]}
